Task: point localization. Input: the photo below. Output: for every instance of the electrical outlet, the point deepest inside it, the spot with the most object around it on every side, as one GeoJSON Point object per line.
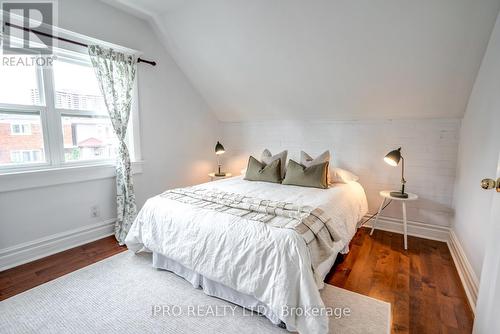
{"type": "Point", "coordinates": [94, 211]}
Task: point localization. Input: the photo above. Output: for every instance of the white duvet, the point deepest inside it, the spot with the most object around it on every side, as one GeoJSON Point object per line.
{"type": "Point", "coordinates": [271, 264]}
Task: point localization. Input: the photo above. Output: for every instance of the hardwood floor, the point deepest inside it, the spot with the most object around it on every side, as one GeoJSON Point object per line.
{"type": "Point", "coordinates": [27, 276]}
{"type": "Point", "coordinates": [422, 283]}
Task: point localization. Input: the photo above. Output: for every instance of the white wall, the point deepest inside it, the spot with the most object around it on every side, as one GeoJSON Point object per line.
{"type": "Point", "coordinates": [478, 156]}
{"type": "Point", "coordinates": [177, 135]}
{"type": "Point", "coordinates": [429, 147]}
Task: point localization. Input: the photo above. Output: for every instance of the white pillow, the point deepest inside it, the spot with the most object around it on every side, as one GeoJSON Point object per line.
{"type": "Point", "coordinates": [307, 161]}
{"type": "Point", "coordinates": [267, 158]}
{"type": "Point", "coordinates": [339, 175]}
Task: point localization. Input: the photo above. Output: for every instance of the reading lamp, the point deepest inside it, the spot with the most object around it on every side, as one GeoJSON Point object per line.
{"type": "Point", "coordinates": [219, 149]}
{"type": "Point", "coordinates": [392, 158]}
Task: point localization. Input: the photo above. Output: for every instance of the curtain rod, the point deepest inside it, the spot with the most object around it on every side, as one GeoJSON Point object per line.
{"type": "Point", "coordinates": [139, 60]}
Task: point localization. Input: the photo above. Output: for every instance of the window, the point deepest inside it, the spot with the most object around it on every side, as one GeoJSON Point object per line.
{"type": "Point", "coordinates": [20, 85]}
{"type": "Point", "coordinates": [88, 138]}
{"type": "Point", "coordinates": [25, 156]}
{"type": "Point", "coordinates": [81, 94]}
{"type": "Point", "coordinates": [19, 133]}
{"type": "Point", "coordinates": [87, 133]}
{"type": "Point", "coordinates": [20, 128]}
{"type": "Point", "coordinates": [54, 116]}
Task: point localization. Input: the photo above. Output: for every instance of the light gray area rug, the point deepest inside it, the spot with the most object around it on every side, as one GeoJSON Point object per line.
{"type": "Point", "coordinates": [124, 294]}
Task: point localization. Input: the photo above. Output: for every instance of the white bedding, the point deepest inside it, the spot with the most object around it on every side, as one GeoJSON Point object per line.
{"type": "Point", "coordinates": [268, 263]}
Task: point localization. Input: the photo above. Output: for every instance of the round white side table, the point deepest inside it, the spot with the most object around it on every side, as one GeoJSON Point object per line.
{"type": "Point", "coordinates": [386, 195]}
{"type": "Point", "coordinates": [214, 177]}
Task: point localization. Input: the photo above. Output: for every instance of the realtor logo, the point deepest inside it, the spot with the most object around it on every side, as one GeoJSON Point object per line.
{"type": "Point", "coordinates": [27, 27]}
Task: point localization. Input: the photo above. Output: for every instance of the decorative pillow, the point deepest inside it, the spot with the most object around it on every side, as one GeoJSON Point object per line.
{"type": "Point", "coordinates": [313, 176]}
{"type": "Point", "coordinates": [339, 175]}
{"type": "Point", "coordinates": [335, 174]}
{"type": "Point", "coordinates": [258, 171]}
{"type": "Point", "coordinates": [267, 158]}
{"type": "Point", "coordinates": [307, 160]}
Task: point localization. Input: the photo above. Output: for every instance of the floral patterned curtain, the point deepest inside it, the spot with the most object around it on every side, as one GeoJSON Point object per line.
{"type": "Point", "coordinates": [115, 72]}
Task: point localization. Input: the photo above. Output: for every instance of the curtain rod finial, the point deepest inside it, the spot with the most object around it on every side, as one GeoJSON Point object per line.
{"type": "Point", "coordinates": [150, 62]}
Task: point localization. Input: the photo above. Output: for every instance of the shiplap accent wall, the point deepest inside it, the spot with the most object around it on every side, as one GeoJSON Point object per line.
{"type": "Point", "coordinates": [429, 147]}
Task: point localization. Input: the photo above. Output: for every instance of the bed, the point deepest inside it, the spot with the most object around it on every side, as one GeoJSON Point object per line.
{"type": "Point", "coordinates": [239, 253]}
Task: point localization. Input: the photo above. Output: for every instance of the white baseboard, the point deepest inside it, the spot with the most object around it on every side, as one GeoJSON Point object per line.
{"type": "Point", "coordinates": [34, 250]}
{"type": "Point", "coordinates": [465, 271]}
{"type": "Point", "coordinates": [440, 233]}
{"type": "Point", "coordinates": [416, 229]}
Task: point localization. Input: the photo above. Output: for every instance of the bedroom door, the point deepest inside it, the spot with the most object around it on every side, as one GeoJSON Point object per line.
{"type": "Point", "coordinates": [488, 303]}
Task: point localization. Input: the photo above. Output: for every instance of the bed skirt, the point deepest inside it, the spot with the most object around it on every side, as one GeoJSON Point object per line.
{"type": "Point", "coordinates": [213, 288]}
{"type": "Point", "coordinates": [216, 289]}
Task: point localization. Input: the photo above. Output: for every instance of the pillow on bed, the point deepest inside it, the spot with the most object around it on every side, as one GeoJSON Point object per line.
{"type": "Point", "coordinates": [339, 175]}
{"type": "Point", "coordinates": [307, 160]}
{"type": "Point", "coordinates": [314, 176]}
{"type": "Point", "coordinates": [266, 157]}
{"type": "Point", "coordinates": [335, 174]}
{"type": "Point", "coordinates": [259, 171]}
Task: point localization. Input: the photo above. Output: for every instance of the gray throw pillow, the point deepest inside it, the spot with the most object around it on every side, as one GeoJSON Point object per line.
{"type": "Point", "coordinates": [259, 171]}
{"type": "Point", "coordinates": [307, 160]}
{"type": "Point", "coordinates": [314, 176]}
{"type": "Point", "coordinates": [267, 157]}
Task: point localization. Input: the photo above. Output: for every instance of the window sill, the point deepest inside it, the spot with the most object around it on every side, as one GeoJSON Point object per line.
{"type": "Point", "coordinates": [53, 176]}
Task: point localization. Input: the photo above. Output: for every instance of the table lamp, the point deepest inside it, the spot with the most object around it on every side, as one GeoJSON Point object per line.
{"type": "Point", "coordinates": [219, 149]}
{"type": "Point", "coordinates": [392, 158]}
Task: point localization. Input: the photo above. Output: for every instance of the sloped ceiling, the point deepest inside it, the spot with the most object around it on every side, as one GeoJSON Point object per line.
{"type": "Point", "coordinates": [326, 59]}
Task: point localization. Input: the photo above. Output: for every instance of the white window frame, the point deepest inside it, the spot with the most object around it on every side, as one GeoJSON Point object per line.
{"type": "Point", "coordinates": [22, 126]}
{"type": "Point", "coordinates": [31, 153]}
{"type": "Point", "coordinates": [51, 127]}
{"type": "Point", "coordinates": [57, 139]}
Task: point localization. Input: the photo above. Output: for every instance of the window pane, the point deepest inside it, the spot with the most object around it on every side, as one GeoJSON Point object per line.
{"type": "Point", "coordinates": [88, 138]}
{"type": "Point", "coordinates": [21, 139]}
{"type": "Point", "coordinates": [19, 84]}
{"type": "Point", "coordinates": [76, 87]}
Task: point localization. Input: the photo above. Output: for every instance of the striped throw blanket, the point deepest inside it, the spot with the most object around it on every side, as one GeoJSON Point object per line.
{"type": "Point", "coordinates": [311, 223]}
